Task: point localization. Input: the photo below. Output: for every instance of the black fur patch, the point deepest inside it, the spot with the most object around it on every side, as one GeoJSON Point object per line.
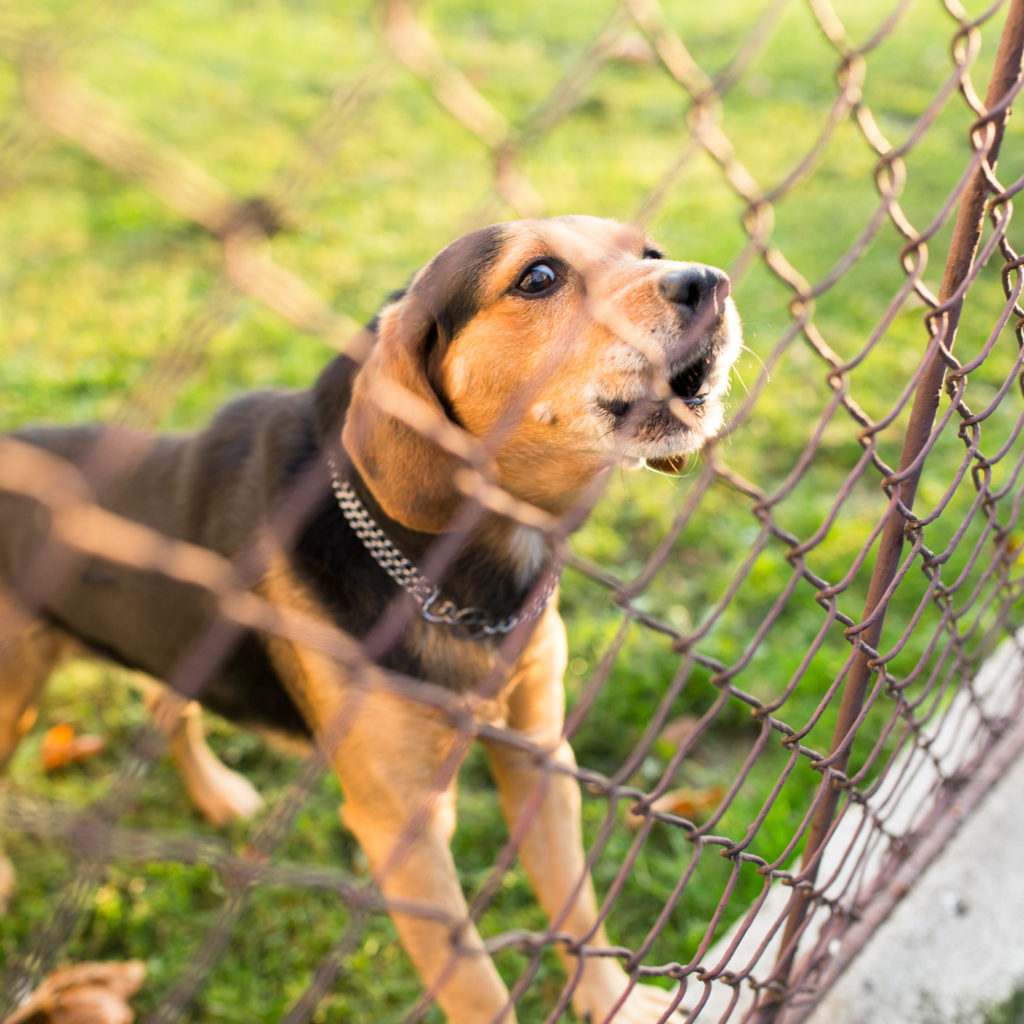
{"type": "Point", "coordinates": [455, 277]}
{"type": "Point", "coordinates": [332, 394]}
{"type": "Point", "coordinates": [245, 689]}
{"type": "Point", "coordinates": [393, 297]}
{"type": "Point", "coordinates": [450, 287]}
{"type": "Point", "coordinates": [248, 690]}
{"type": "Point", "coordinates": [356, 591]}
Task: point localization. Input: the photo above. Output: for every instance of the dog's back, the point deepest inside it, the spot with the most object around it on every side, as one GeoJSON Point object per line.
{"type": "Point", "coordinates": [211, 489]}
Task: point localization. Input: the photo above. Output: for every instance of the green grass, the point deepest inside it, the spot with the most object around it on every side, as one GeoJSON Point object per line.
{"type": "Point", "coordinates": [98, 279]}
{"type": "Point", "coordinates": [1009, 1012]}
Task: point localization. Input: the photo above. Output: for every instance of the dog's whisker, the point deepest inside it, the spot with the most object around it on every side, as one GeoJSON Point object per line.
{"type": "Point", "coordinates": [734, 369]}
{"type": "Point", "coordinates": [745, 348]}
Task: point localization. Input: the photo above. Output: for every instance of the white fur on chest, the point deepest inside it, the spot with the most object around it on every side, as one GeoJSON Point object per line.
{"type": "Point", "coordinates": [528, 552]}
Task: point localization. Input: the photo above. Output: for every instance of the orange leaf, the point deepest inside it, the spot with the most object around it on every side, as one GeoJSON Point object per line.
{"type": "Point", "coordinates": [62, 747]}
{"type": "Point", "coordinates": [691, 804]}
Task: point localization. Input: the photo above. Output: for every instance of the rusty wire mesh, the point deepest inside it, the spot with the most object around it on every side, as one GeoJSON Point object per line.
{"type": "Point", "coordinates": [920, 715]}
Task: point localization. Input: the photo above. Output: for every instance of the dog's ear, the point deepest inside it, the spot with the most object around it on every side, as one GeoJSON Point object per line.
{"type": "Point", "coordinates": [411, 476]}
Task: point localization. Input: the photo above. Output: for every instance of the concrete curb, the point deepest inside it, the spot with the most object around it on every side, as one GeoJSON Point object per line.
{"type": "Point", "coordinates": [955, 945]}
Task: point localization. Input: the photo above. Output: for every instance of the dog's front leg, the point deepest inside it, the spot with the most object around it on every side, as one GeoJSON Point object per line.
{"type": "Point", "coordinates": [397, 763]}
{"type": "Point", "coordinates": [220, 794]}
{"type": "Point", "coordinates": [551, 848]}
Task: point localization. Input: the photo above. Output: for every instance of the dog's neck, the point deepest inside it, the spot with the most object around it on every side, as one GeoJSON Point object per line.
{"type": "Point", "coordinates": [494, 569]}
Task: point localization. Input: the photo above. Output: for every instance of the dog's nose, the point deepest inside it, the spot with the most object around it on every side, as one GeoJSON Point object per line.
{"type": "Point", "coordinates": [695, 286]}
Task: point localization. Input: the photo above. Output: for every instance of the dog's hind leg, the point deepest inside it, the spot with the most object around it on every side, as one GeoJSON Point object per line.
{"type": "Point", "coordinates": [220, 794]}
{"type": "Point", "coordinates": [29, 652]}
{"type": "Point", "coordinates": [30, 649]}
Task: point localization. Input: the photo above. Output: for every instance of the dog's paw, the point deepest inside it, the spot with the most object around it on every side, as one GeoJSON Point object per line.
{"type": "Point", "coordinates": [645, 1004]}
{"type": "Point", "coordinates": [8, 882]}
{"type": "Point", "coordinates": [223, 795]}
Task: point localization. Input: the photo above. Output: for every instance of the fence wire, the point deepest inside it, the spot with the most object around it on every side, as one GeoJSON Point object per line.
{"type": "Point", "coordinates": [923, 698]}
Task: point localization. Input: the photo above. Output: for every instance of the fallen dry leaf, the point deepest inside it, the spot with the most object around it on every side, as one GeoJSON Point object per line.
{"type": "Point", "coordinates": [679, 730]}
{"type": "Point", "coordinates": [62, 747]}
{"type": "Point", "coordinates": [691, 804]}
{"type": "Point", "coordinates": [89, 993]}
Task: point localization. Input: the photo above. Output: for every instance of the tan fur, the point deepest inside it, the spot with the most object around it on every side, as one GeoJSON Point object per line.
{"type": "Point", "coordinates": [30, 651]}
{"type": "Point", "coordinates": [220, 794]}
{"type": "Point", "coordinates": [29, 657]}
{"type": "Point", "coordinates": [606, 332]}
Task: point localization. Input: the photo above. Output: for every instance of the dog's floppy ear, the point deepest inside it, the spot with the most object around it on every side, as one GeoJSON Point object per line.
{"type": "Point", "coordinates": [411, 476]}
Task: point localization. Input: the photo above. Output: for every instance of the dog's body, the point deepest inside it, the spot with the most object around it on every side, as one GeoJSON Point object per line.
{"type": "Point", "coordinates": [570, 324]}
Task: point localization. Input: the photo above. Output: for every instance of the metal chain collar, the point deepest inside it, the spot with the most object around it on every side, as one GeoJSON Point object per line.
{"type": "Point", "coordinates": [426, 593]}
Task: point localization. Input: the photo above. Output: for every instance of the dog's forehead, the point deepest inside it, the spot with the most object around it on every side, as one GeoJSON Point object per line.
{"type": "Point", "coordinates": [581, 242]}
{"type": "Point", "coordinates": [476, 270]}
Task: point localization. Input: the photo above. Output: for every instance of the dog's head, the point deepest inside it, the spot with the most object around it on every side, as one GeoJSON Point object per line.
{"type": "Point", "coordinates": [566, 346]}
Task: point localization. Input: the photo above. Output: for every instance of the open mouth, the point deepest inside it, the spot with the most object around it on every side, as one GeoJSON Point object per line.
{"type": "Point", "coordinates": [691, 383]}
{"type": "Point", "coordinates": [656, 427]}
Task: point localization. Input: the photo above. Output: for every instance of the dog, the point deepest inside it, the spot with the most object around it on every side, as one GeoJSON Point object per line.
{"type": "Point", "coordinates": [560, 348]}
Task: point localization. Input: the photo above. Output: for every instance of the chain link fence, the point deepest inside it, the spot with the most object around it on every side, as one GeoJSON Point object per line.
{"type": "Point", "coordinates": [832, 600]}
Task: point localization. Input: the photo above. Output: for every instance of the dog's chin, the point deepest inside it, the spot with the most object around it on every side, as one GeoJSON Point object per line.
{"type": "Point", "coordinates": [664, 443]}
{"type": "Point", "coordinates": [672, 459]}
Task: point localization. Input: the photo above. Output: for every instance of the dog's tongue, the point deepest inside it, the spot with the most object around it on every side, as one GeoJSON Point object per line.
{"type": "Point", "coordinates": [670, 464]}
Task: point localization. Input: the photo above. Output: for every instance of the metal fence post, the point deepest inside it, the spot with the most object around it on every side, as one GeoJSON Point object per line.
{"type": "Point", "coordinates": [963, 248]}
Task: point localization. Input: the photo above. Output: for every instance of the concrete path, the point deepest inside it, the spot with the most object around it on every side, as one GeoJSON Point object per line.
{"type": "Point", "coordinates": [954, 946]}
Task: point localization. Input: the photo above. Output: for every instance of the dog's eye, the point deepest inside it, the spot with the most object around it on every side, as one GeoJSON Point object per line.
{"type": "Point", "coordinates": [653, 254]}
{"type": "Point", "coordinates": [537, 279]}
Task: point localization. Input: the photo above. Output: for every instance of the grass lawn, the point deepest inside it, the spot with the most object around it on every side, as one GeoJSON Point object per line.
{"type": "Point", "coordinates": [98, 281]}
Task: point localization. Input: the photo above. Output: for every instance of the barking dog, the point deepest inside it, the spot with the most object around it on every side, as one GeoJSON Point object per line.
{"type": "Point", "coordinates": [563, 347]}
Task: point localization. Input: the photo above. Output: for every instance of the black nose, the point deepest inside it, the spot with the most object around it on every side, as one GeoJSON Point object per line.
{"type": "Point", "coordinates": [695, 286]}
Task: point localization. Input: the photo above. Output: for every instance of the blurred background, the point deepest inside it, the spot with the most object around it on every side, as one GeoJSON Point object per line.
{"type": "Point", "coordinates": [359, 139]}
